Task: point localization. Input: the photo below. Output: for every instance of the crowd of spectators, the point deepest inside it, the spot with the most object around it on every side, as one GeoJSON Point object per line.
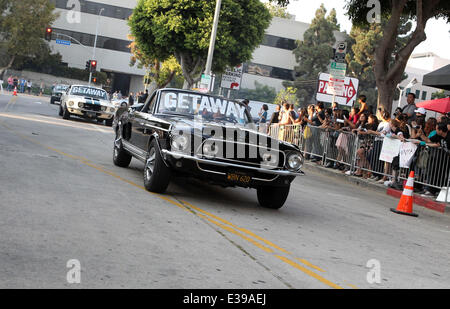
{"type": "Point", "coordinates": [362, 126]}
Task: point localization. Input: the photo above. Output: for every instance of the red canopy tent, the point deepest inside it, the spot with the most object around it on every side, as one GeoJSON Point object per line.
{"type": "Point", "coordinates": [440, 105]}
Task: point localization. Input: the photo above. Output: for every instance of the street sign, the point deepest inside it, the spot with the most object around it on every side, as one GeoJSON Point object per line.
{"type": "Point", "coordinates": [205, 83]}
{"type": "Point", "coordinates": [348, 97]}
{"type": "Point", "coordinates": [337, 78]}
{"type": "Point", "coordinates": [340, 53]}
{"type": "Point", "coordinates": [232, 78]}
{"type": "Point", "coordinates": [63, 42]}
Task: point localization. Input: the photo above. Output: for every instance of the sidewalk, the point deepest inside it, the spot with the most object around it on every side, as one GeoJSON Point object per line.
{"type": "Point", "coordinates": [359, 181]}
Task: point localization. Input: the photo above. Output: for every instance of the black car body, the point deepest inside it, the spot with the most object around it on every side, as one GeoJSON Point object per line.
{"type": "Point", "coordinates": [192, 134]}
{"type": "Point", "coordinates": [57, 92]}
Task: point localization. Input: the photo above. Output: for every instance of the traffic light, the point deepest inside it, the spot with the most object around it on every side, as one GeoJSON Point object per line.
{"type": "Point", "coordinates": [48, 33]}
{"type": "Point", "coordinates": [88, 65]}
{"type": "Point", "coordinates": [93, 66]}
{"type": "Point", "coordinates": [94, 80]}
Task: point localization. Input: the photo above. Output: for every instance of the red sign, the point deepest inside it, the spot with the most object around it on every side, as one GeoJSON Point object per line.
{"type": "Point", "coordinates": [349, 94]}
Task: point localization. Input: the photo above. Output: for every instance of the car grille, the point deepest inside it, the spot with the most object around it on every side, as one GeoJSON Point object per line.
{"type": "Point", "coordinates": [241, 153]}
{"type": "Point", "coordinates": [92, 107]}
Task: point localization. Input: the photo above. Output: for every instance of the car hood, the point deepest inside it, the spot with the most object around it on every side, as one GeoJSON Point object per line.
{"type": "Point", "coordinates": [197, 126]}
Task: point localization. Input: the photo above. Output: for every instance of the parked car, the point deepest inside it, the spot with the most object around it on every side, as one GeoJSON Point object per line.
{"type": "Point", "coordinates": [57, 92]}
{"type": "Point", "coordinates": [192, 134]}
{"type": "Point", "coordinates": [87, 102]}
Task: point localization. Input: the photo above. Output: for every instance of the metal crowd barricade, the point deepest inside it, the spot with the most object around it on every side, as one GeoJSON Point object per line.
{"type": "Point", "coordinates": [362, 152]}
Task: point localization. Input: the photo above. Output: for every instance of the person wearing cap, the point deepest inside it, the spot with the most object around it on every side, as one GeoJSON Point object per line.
{"type": "Point", "coordinates": [420, 113]}
{"type": "Point", "coordinates": [410, 109]}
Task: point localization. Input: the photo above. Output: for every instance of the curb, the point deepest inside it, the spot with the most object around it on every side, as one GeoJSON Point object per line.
{"type": "Point", "coordinates": [418, 200]}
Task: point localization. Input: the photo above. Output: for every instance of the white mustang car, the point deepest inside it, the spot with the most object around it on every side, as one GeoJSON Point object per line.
{"type": "Point", "coordinates": [87, 102]}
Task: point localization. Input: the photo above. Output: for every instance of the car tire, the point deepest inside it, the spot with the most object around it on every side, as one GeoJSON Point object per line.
{"type": "Point", "coordinates": [109, 122]}
{"type": "Point", "coordinates": [52, 101]}
{"type": "Point", "coordinates": [65, 113]}
{"type": "Point", "coordinates": [60, 110]}
{"type": "Point", "coordinates": [121, 158]}
{"type": "Point", "coordinates": [272, 197]}
{"type": "Point", "coordinates": [156, 173]}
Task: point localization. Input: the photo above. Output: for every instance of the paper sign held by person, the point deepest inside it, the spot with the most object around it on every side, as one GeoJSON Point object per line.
{"type": "Point", "coordinates": [391, 149]}
{"type": "Point", "coordinates": [407, 151]}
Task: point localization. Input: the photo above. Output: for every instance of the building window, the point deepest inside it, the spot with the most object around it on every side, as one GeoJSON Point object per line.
{"type": "Point", "coordinates": [279, 42]}
{"type": "Point", "coordinates": [91, 7]}
{"type": "Point", "coordinates": [424, 95]}
{"type": "Point", "coordinates": [408, 91]}
{"type": "Point", "coordinates": [268, 71]}
{"type": "Point", "coordinates": [417, 93]}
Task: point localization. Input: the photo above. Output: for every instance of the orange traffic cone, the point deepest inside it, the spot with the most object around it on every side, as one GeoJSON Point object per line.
{"type": "Point", "coordinates": [15, 91]}
{"type": "Point", "coordinates": [405, 206]}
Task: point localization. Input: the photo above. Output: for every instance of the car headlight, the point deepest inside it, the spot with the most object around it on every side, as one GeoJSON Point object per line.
{"type": "Point", "coordinates": [210, 149]}
{"type": "Point", "coordinates": [71, 103]}
{"type": "Point", "coordinates": [294, 161]}
{"type": "Point", "coordinates": [80, 104]}
{"type": "Point", "coordinates": [103, 108]}
{"type": "Point", "coordinates": [112, 110]}
{"type": "Point", "coordinates": [180, 143]}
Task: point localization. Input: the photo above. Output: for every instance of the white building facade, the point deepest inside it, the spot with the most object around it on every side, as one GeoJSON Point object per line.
{"type": "Point", "coordinates": [78, 19]}
{"type": "Point", "coordinates": [273, 62]}
{"type": "Point", "coordinates": [418, 66]}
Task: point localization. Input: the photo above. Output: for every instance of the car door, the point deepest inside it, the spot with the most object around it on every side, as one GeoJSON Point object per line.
{"type": "Point", "coordinates": [140, 130]}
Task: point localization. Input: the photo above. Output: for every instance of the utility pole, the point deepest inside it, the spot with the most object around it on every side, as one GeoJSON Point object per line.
{"type": "Point", "coordinates": [213, 39]}
{"type": "Point", "coordinates": [95, 42]}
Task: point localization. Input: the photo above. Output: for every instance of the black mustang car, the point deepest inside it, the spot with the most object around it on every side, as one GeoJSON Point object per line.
{"type": "Point", "coordinates": [192, 134]}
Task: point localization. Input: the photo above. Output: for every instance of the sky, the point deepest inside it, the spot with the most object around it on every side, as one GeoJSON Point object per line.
{"type": "Point", "coordinates": [437, 31]}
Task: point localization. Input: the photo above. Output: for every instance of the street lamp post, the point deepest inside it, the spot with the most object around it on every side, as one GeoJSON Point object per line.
{"type": "Point", "coordinates": [213, 39]}
{"type": "Point", "coordinates": [95, 41]}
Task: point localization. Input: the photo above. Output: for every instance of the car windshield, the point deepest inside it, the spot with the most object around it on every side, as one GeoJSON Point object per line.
{"type": "Point", "coordinates": [203, 105]}
{"type": "Point", "coordinates": [61, 88]}
{"type": "Point", "coordinates": [89, 92]}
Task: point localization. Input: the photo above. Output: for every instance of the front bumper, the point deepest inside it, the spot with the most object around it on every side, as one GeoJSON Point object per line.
{"type": "Point", "coordinates": [86, 113]}
{"type": "Point", "coordinates": [284, 173]}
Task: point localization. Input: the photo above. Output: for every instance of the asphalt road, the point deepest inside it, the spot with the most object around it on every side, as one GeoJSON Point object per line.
{"type": "Point", "coordinates": [61, 198]}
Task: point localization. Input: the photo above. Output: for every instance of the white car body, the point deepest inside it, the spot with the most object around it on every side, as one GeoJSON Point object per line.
{"type": "Point", "coordinates": [88, 105]}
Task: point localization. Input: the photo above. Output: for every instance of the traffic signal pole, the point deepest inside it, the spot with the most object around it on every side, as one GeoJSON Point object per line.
{"type": "Point", "coordinates": [95, 41]}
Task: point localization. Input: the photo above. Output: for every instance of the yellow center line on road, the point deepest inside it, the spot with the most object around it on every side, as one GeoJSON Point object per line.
{"type": "Point", "coordinates": [226, 226]}
{"type": "Point", "coordinates": [308, 272]}
{"type": "Point", "coordinates": [311, 265]}
{"type": "Point", "coordinates": [239, 229]}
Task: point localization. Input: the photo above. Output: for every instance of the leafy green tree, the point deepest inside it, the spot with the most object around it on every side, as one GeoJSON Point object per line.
{"type": "Point", "coordinates": [392, 50]}
{"type": "Point", "coordinates": [22, 28]}
{"type": "Point", "coordinates": [439, 95]}
{"type": "Point", "coordinates": [314, 54]}
{"type": "Point", "coordinates": [262, 93]}
{"type": "Point", "coordinates": [288, 95]}
{"type": "Point", "coordinates": [277, 10]}
{"type": "Point", "coordinates": [159, 73]}
{"type": "Point", "coordinates": [182, 28]}
{"type": "Point", "coordinates": [360, 58]}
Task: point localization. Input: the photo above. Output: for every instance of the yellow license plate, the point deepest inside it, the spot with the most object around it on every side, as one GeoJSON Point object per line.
{"type": "Point", "coordinates": [239, 178]}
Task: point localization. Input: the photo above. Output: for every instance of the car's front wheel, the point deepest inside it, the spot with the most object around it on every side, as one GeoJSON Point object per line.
{"type": "Point", "coordinates": [272, 197]}
{"type": "Point", "coordinates": [156, 173]}
{"type": "Point", "coordinates": [65, 113]}
{"type": "Point", "coordinates": [120, 157]}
